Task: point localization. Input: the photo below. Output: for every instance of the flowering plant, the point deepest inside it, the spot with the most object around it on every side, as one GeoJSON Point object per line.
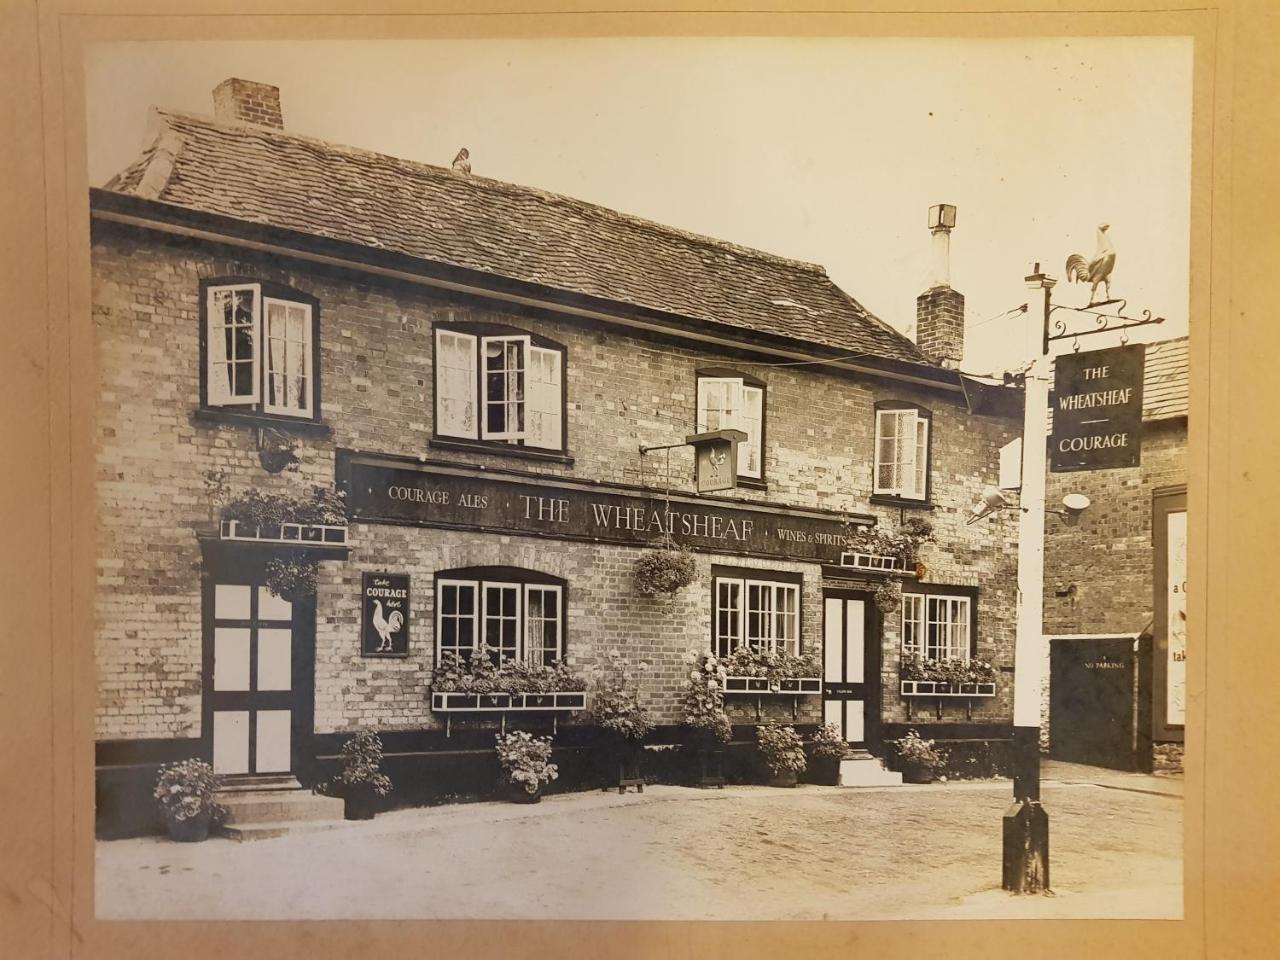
{"type": "Point", "coordinates": [361, 767]}
{"type": "Point", "coordinates": [525, 760]}
{"type": "Point", "coordinates": [704, 697]}
{"type": "Point", "coordinates": [903, 545]}
{"type": "Point", "coordinates": [616, 707]}
{"type": "Point", "coordinates": [186, 789]}
{"type": "Point", "coordinates": [951, 670]}
{"type": "Point", "coordinates": [828, 743]}
{"type": "Point", "coordinates": [781, 748]}
{"type": "Point", "coordinates": [477, 673]}
{"type": "Point", "coordinates": [915, 750]}
{"type": "Point", "coordinates": [775, 665]}
{"type": "Point", "coordinates": [258, 509]}
{"type": "Point", "coordinates": [667, 569]}
{"type": "Point", "coordinates": [888, 595]}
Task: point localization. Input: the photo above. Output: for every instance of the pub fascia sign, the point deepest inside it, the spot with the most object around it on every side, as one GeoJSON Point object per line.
{"type": "Point", "coordinates": [1097, 409]}
{"type": "Point", "coordinates": [385, 490]}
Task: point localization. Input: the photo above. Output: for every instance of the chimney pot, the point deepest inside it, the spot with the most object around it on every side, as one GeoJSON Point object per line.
{"type": "Point", "coordinates": [246, 101]}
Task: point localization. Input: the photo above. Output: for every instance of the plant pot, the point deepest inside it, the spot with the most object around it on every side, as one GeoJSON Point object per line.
{"type": "Point", "coordinates": [518, 793]}
{"type": "Point", "coordinates": [825, 771]}
{"type": "Point", "coordinates": [784, 778]}
{"type": "Point", "coordinates": [359, 804]}
{"type": "Point", "coordinates": [916, 772]}
{"type": "Point", "coordinates": [192, 830]}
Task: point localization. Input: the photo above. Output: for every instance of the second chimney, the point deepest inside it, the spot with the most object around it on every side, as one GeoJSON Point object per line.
{"type": "Point", "coordinates": [244, 101]}
{"type": "Point", "coordinates": [940, 310]}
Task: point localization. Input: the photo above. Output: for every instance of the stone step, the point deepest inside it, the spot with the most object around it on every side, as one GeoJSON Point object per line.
{"type": "Point", "coordinates": [279, 806]}
{"type": "Point", "coordinates": [254, 784]}
{"type": "Point", "coordinates": [867, 771]}
{"type": "Point", "coordinates": [242, 832]}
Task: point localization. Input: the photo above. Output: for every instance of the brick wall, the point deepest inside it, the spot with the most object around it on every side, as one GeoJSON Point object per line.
{"type": "Point", "coordinates": [1108, 557]}
{"type": "Point", "coordinates": [624, 390]}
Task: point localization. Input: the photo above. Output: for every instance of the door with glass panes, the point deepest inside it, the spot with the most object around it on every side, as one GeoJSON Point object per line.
{"type": "Point", "coordinates": [257, 679]}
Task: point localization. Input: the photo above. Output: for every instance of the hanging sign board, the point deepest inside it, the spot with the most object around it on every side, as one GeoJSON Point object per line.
{"type": "Point", "coordinates": [384, 629]}
{"type": "Point", "coordinates": [1097, 409]}
{"type": "Point", "coordinates": [716, 459]}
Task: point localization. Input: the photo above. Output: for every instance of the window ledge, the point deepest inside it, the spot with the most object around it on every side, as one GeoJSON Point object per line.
{"type": "Point", "coordinates": [751, 483]}
{"type": "Point", "coordinates": [245, 418]}
{"type": "Point", "coordinates": [498, 449]}
{"type": "Point", "coordinates": [884, 500]}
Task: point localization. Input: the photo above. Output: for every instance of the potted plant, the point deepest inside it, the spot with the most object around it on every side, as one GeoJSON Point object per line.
{"type": "Point", "coordinates": [826, 750]}
{"type": "Point", "coordinates": [625, 722]}
{"type": "Point", "coordinates": [362, 781]}
{"type": "Point", "coordinates": [707, 726]}
{"type": "Point", "coordinates": [186, 792]}
{"type": "Point", "coordinates": [526, 766]}
{"type": "Point", "coordinates": [666, 569]}
{"type": "Point", "coordinates": [918, 760]}
{"type": "Point", "coordinates": [783, 753]}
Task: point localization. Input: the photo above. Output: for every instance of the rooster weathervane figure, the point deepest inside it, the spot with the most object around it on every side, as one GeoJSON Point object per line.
{"type": "Point", "coordinates": [1096, 271]}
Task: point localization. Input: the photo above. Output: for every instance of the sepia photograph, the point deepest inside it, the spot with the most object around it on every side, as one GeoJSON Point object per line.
{"type": "Point", "coordinates": [640, 478]}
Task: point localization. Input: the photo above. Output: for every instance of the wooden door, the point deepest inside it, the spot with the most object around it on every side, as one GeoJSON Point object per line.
{"type": "Point", "coordinates": [851, 666]}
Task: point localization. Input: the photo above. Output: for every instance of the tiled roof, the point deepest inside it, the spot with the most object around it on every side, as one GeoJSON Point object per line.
{"type": "Point", "coordinates": [267, 176]}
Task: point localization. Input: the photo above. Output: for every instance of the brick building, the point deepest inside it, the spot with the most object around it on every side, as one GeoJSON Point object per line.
{"type": "Point", "coordinates": [1115, 592]}
{"type": "Point", "coordinates": [476, 366]}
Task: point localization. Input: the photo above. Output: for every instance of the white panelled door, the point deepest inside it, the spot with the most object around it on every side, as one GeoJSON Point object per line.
{"type": "Point", "coordinates": [250, 683]}
{"type": "Point", "coordinates": [850, 686]}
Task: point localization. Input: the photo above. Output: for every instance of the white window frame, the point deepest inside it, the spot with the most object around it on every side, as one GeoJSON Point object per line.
{"type": "Point", "coordinates": [736, 414]}
{"type": "Point", "coordinates": [480, 615]}
{"type": "Point", "coordinates": [541, 405]}
{"type": "Point", "coordinates": [307, 346]}
{"type": "Point", "coordinates": [771, 625]}
{"type": "Point", "coordinates": [937, 626]}
{"type": "Point", "coordinates": [216, 362]}
{"type": "Point", "coordinates": [909, 460]}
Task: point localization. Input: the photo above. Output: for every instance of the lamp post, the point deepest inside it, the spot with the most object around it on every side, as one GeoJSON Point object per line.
{"type": "Point", "coordinates": [1026, 823]}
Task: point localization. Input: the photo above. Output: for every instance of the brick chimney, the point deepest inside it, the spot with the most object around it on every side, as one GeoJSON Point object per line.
{"type": "Point", "coordinates": [244, 101]}
{"type": "Point", "coordinates": [940, 310]}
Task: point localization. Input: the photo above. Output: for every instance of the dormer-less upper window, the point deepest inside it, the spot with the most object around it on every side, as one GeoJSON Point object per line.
{"type": "Point", "coordinates": [902, 451]}
{"type": "Point", "coordinates": [260, 350]}
{"type": "Point", "coordinates": [501, 386]}
{"type": "Point", "coordinates": [728, 401]}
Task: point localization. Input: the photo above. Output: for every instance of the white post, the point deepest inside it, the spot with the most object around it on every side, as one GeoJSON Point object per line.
{"type": "Point", "coordinates": [1026, 825]}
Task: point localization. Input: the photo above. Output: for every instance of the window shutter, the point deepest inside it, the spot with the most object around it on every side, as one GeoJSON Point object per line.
{"type": "Point", "coordinates": [544, 417]}
{"type": "Point", "coordinates": [719, 403]}
{"type": "Point", "coordinates": [887, 423]}
{"type": "Point", "coordinates": [920, 477]}
{"type": "Point", "coordinates": [233, 345]}
{"type": "Point", "coordinates": [750, 422]}
{"type": "Point", "coordinates": [455, 384]}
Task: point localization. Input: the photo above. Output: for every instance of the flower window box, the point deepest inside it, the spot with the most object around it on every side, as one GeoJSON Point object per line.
{"type": "Point", "coordinates": [445, 702]}
{"type": "Point", "coordinates": [873, 562]}
{"type": "Point", "coordinates": [794, 686]}
{"type": "Point", "coordinates": [940, 688]}
{"type": "Point", "coordinates": [293, 534]}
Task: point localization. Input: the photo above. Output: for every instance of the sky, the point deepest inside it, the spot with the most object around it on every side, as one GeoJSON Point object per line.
{"type": "Point", "coordinates": [824, 150]}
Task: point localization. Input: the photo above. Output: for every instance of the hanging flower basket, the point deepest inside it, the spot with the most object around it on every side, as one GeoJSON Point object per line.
{"type": "Point", "coordinates": [665, 570]}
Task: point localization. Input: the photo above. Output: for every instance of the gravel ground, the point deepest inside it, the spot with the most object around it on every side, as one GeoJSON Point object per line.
{"type": "Point", "coordinates": [674, 853]}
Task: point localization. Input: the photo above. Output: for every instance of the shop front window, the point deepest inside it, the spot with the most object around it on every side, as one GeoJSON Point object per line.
{"type": "Point", "coordinates": [511, 620]}
{"type": "Point", "coordinates": [761, 615]}
{"type": "Point", "coordinates": [936, 627]}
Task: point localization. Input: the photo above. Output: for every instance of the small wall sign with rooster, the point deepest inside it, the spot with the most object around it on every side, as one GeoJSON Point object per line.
{"type": "Point", "coordinates": [384, 630]}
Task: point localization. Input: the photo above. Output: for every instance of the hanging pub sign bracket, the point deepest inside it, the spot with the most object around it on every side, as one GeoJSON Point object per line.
{"type": "Point", "coordinates": [715, 455]}
{"type": "Point", "coordinates": [1058, 328]}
